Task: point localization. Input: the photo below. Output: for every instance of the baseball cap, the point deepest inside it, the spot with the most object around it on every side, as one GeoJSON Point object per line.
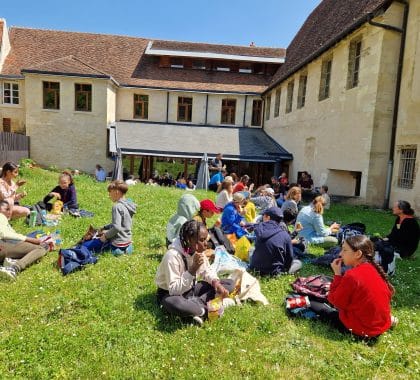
{"type": "Point", "coordinates": [238, 197]}
{"type": "Point", "coordinates": [208, 205]}
{"type": "Point", "coordinates": [274, 213]}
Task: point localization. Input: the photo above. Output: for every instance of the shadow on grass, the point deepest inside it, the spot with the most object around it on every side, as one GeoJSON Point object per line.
{"type": "Point", "coordinates": [164, 322]}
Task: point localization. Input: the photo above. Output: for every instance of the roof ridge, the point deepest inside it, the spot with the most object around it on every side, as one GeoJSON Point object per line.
{"type": "Point", "coordinates": [90, 66]}
{"type": "Point", "coordinates": [142, 38]}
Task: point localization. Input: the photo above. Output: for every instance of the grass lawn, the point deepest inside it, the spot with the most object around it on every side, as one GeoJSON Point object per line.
{"type": "Point", "coordinates": [103, 322]}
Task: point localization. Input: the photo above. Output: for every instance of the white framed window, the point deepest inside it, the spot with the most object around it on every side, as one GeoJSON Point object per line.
{"type": "Point", "coordinates": [10, 93]}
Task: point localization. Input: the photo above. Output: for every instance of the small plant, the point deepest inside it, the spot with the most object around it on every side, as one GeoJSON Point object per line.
{"type": "Point", "coordinates": [27, 163]}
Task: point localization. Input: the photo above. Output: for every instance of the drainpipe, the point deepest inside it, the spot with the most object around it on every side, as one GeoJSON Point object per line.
{"type": "Point", "coordinates": [243, 123]}
{"type": "Point", "coordinates": [207, 107]}
{"type": "Point", "coordinates": [403, 32]}
{"type": "Point", "coordinates": [167, 107]}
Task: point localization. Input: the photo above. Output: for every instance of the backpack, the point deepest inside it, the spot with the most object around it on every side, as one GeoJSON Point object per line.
{"type": "Point", "coordinates": [316, 287]}
{"type": "Point", "coordinates": [217, 237]}
{"type": "Point", "coordinates": [385, 255]}
{"type": "Point", "coordinates": [38, 207]}
{"type": "Point", "coordinates": [328, 257]}
{"type": "Point", "coordinates": [351, 229]}
{"type": "Point", "coordinates": [75, 258]}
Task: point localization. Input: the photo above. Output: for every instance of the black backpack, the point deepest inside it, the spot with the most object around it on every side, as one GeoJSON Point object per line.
{"type": "Point", "coordinates": [217, 237]}
{"type": "Point", "coordinates": [351, 229]}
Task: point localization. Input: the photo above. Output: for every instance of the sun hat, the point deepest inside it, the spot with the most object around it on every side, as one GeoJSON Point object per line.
{"type": "Point", "coordinates": [208, 205]}
{"type": "Point", "coordinates": [274, 213]}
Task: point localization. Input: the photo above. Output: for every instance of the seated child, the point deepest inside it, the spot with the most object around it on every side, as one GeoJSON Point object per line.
{"type": "Point", "coordinates": [362, 296]}
{"type": "Point", "coordinates": [65, 192]}
{"type": "Point", "coordinates": [273, 253]}
{"type": "Point", "coordinates": [188, 206]}
{"type": "Point", "coordinates": [250, 210]}
{"type": "Point", "coordinates": [207, 210]}
{"type": "Point", "coordinates": [326, 196]}
{"type": "Point", "coordinates": [185, 282]}
{"type": "Point", "coordinates": [232, 220]}
{"type": "Point", "coordinates": [17, 251]}
{"type": "Point", "coordinates": [118, 234]}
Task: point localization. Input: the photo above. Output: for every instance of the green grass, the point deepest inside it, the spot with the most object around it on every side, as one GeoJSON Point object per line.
{"type": "Point", "coordinates": [103, 322]}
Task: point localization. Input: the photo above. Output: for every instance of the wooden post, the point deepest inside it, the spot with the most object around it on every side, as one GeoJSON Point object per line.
{"type": "Point", "coordinates": [185, 168]}
{"type": "Point", "coordinates": [132, 165]}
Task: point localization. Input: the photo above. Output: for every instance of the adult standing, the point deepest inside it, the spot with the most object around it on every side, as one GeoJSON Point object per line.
{"type": "Point", "coordinates": [8, 189]}
{"type": "Point", "coordinates": [216, 164]}
{"type": "Point", "coordinates": [405, 233]}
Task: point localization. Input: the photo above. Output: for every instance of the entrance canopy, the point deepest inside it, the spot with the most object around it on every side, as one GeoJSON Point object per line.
{"type": "Point", "coordinates": [192, 141]}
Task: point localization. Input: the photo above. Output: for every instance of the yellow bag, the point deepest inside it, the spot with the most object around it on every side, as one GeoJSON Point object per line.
{"type": "Point", "coordinates": [242, 248]}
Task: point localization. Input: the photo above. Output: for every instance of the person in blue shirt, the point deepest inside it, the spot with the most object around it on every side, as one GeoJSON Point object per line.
{"type": "Point", "coordinates": [232, 220]}
{"type": "Point", "coordinates": [100, 174]}
{"type": "Point", "coordinates": [216, 180]}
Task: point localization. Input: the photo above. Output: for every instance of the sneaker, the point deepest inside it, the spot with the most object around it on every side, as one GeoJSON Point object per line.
{"type": "Point", "coordinates": [8, 273]}
{"type": "Point", "coordinates": [394, 321]}
{"type": "Point", "coordinates": [8, 262]}
{"type": "Point", "coordinates": [198, 320]}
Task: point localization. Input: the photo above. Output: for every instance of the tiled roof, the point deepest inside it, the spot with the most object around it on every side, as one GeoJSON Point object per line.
{"type": "Point", "coordinates": [249, 144]}
{"type": "Point", "coordinates": [120, 57]}
{"type": "Point", "coordinates": [1, 30]}
{"type": "Point", "coordinates": [253, 51]}
{"type": "Point", "coordinates": [331, 21]}
{"type": "Point", "coordinates": [66, 65]}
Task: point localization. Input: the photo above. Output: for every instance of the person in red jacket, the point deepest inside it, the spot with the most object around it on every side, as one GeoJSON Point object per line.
{"type": "Point", "coordinates": [361, 296]}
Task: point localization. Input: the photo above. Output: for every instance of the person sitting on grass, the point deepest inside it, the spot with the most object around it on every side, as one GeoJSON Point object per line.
{"type": "Point", "coordinates": [313, 228]}
{"type": "Point", "coordinates": [188, 206]}
{"type": "Point", "coordinates": [17, 251]}
{"type": "Point", "coordinates": [185, 282]}
{"type": "Point", "coordinates": [65, 192]}
{"type": "Point", "coordinates": [207, 210]}
{"type": "Point", "coordinates": [225, 195]}
{"type": "Point", "coordinates": [233, 221]}
{"type": "Point", "coordinates": [405, 233]}
{"type": "Point", "coordinates": [8, 190]}
{"type": "Point", "coordinates": [273, 253]}
{"type": "Point", "coordinates": [118, 234]}
{"type": "Point", "coordinates": [361, 296]}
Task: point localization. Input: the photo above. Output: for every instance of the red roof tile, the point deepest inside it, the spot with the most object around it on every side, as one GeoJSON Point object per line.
{"type": "Point", "coordinates": [332, 20]}
{"type": "Point", "coordinates": [119, 56]}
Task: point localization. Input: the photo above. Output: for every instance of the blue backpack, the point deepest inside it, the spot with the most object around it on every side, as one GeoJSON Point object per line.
{"type": "Point", "coordinates": [75, 258]}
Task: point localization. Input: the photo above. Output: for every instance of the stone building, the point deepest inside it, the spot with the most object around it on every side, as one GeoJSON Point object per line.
{"type": "Point", "coordinates": [343, 107]}
{"type": "Point", "coordinates": [161, 98]}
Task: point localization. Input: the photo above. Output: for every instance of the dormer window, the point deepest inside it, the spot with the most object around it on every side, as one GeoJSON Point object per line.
{"type": "Point", "coordinates": [177, 63]}
{"type": "Point", "coordinates": [198, 64]}
{"type": "Point", "coordinates": [245, 67]}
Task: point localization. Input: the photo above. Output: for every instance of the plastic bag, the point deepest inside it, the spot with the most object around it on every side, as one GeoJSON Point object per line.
{"type": "Point", "coordinates": [242, 248]}
{"type": "Point", "coordinates": [226, 263]}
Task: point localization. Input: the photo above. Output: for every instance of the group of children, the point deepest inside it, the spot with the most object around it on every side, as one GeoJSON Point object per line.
{"type": "Point", "coordinates": [360, 296]}
{"type": "Point", "coordinates": [18, 251]}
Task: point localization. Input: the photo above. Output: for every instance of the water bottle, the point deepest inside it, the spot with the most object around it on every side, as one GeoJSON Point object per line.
{"type": "Point", "coordinates": [56, 238]}
{"type": "Point", "coordinates": [43, 216]}
{"type": "Point", "coordinates": [32, 218]}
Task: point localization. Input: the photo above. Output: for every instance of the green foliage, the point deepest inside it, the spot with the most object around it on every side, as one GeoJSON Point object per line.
{"type": "Point", "coordinates": [103, 322]}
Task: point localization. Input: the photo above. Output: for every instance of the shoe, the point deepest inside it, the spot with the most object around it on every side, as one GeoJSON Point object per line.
{"type": "Point", "coordinates": [8, 273]}
{"type": "Point", "coordinates": [198, 320]}
{"type": "Point", "coordinates": [8, 262]}
{"type": "Point", "coordinates": [394, 321]}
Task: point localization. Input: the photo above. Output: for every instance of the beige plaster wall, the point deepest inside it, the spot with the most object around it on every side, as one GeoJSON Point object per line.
{"type": "Point", "coordinates": [4, 44]}
{"type": "Point", "coordinates": [339, 132]}
{"type": "Point", "coordinates": [408, 126]}
{"type": "Point", "coordinates": [15, 112]}
{"type": "Point", "coordinates": [67, 138]}
{"type": "Point", "coordinates": [125, 104]}
{"type": "Point", "coordinates": [158, 104]}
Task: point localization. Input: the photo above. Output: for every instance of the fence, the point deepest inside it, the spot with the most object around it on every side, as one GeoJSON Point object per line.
{"type": "Point", "coordinates": [13, 147]}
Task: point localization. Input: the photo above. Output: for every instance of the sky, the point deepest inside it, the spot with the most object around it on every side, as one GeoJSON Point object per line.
{"type": "Point", "coordinates": [271, 23]}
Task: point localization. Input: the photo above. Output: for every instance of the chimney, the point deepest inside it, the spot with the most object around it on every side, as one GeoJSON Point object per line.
{"type": "Point", "coordinates": [4, 42]}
